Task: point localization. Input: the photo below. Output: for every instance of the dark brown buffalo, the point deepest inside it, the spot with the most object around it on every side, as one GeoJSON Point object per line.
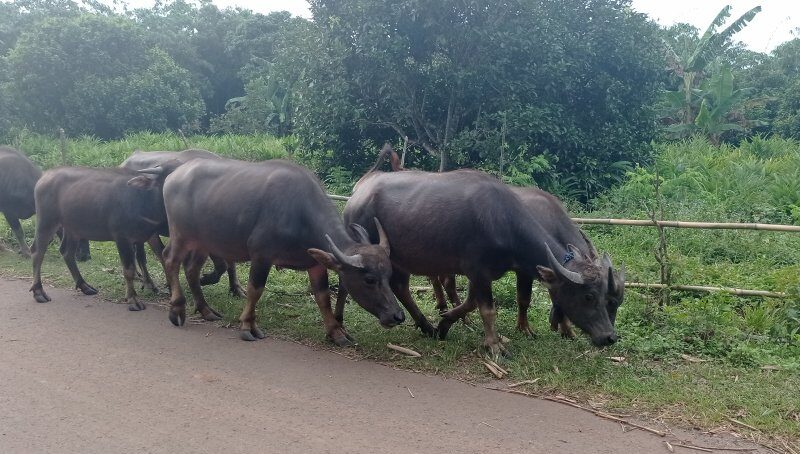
{"type": "Point", "coordinates": [140, 160]}
{"type": "Point", "coordinates": [18, 177]}
{"type": "Point", "coordinates": [467, 222]}
{"type": "Point", "coordinates": [552, 216]}
{"type": "Point", "coordinates": [276, 214]}
{"type": "Point", "coordinates": [117, 205]}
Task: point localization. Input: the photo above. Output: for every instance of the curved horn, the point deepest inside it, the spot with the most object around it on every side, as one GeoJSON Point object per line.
{"type": "Point", "coordinates": [360, 233]}
{"type": "Point", "coordinates": [559, 268]}
{"type": "Point", "coordinates": [351, 260]}
{"type": "Point", "coordinates": [607, 260]}
{"type": "Point", "coordinates": [384, 240]}
{"type": "Point", "coordinates": [158, 170]}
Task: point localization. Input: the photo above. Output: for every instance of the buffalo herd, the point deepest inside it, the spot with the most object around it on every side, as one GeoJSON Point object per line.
{"type": "Point", "coordinates": [277, 213]}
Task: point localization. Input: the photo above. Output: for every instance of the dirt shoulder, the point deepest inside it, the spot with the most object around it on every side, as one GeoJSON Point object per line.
{"type": "Point", "coordinates": [84, 375]}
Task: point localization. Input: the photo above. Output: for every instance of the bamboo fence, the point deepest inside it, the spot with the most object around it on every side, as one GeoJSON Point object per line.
{"type": "Point", "coordinates": [682, 225]}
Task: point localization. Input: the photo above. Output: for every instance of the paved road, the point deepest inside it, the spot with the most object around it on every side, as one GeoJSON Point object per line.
{"type": "Point", "coordinates": [81, 375]}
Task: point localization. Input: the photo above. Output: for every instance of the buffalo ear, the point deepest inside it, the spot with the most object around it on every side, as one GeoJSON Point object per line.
{"type": "Point", "coordinates": [326, 259]}
{"type": "Point", "coordinates": [360, 233]}
{"type": "Point", "coordinates": [142, 182]}
{"type": "Point", "coordinates": [549, 277]}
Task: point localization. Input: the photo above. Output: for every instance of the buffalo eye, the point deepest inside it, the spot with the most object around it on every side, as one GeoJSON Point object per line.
{"type": "Point", "coordinates": [589, 297]}
{"type": "Point", "coordinates": [370, 280]}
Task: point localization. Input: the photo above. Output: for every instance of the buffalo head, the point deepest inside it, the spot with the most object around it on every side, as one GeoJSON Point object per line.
{"type": "Point", "coordinates": [588, 294]}
{"type": "Point", "coordinates": [364, 269]}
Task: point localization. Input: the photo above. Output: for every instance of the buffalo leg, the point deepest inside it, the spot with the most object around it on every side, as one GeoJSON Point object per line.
{"type": "Point", "coordinates": [193, 268]}
{"type": "Point", "coordinates": [460, 311]}
{"type": "Point", "coordinates": [44, 233]}
{"type": "Point", "coordinates": [233, 282]}
{"type": "Point", "coordinates": [524, 288]}
{"type": "Point", "coordinates": [141, 259]}
{"type": "Point", "coordinates": [259, 272]}
{"type": "Point", "coordinates": [173, 258]}
{"type": "Point", "coordinates": [341, 299]}
{"type": "Point", "coordinates": [400, 286]}
{"type": "Point", "coordinates": [486, 306]}
{"type": "Point", "coordinates": [127, 256]}
{"type": "Point", "coordinates": [83, 254]}
{"type": "Point", "coordinates": [559, 322]}
{"type": "Point", "coordinates": [438, 293]}
{"type": "Point", "coordinates": [69, 246]}
{"type": "Point", "coordinates": [318, 276]}
{"type": "Point", "coordinates": [448, 282]}
{"type": "Point", "coordinates": [16, 227]}
{"type": "Point", "coordinates": [157, 247]}
{"type": "Point", "coordinates": [220, 266]}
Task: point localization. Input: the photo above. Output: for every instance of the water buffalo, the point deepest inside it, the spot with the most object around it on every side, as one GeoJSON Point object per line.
{"type": "Point", "coordinates": [277, 213]}
{"type": "Point", "coordinates": [467, 222]}
{"type": "Point", "coordinates": [552, 216]}
{"type": "Point", "coordinates": [117, 205]}
{"type": "Point", "coordinates": [150, 159]}
{"type": "Point", "coordinates": [18, 177]}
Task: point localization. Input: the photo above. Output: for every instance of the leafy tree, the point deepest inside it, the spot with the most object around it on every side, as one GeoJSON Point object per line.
{"type": "Point", "coordinates": [571, 80]}
{"type": "Point", "coordinates": [94, 74]}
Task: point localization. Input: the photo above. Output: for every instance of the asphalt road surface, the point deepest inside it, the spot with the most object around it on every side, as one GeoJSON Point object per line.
{"type": "Point", "coordinates": [82, 375]}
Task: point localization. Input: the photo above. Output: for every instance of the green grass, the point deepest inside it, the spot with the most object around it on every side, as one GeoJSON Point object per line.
{"type": "Point", "coordinates": [742, 341]}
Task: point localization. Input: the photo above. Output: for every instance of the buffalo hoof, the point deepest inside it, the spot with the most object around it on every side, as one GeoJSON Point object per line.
{"type": "Point", "coordinates": [177, 318]}
{"type": "Point", "coordinates": [209, 278]}
{"type": "Point", "coordinates": [496, 350]}
{"type": "Point", "coordinates": [443, 328]}
{"type": "Point", "coordinates": [238, 291]}
{"type": "Point", "coordinates": [566, 331]}
{"type": "Point", "coordinates": [40, 296]}
{"type": "Point", "coordinates": [341, 338]}
{"type": "Point", "coordinates": [151, 286]}
{"type": "Point", "coordinates": [25, 253]}
{"type": "Point", "coordinates": [251, 334]}
{"type": "Point", "coordinates": [209, 314]}
{"type": "Point", "coordinates": [86, 288]}
{"type": "Point", "coordinates": [525, 329]}
{"type": "Point", "coordinates": [426, 328]}
{"type": "Point", "coordinates": [135, 305]}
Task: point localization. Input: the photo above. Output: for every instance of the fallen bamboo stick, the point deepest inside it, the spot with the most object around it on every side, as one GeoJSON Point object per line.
{"type": "Point", "coordinates": [704, 288]}
{"type": "Point", "coordinates": [403, 350]}
{"type": "Point", "coordinates": [494, 371]}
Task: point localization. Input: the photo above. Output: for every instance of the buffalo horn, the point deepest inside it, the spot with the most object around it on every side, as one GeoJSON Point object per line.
{"type": "Point", "coordinates": [354, 261]}
{"type": "Point", "coordinates": [384, 240]}
{"type": "Point", "coordinates": [559, 268]}
{"type": "Point", "coordinates": [158, 170]}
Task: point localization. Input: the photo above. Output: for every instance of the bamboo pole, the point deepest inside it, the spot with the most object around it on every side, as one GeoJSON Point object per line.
{"type": "Point", "coordinates": [690, 224]}
{"type": "Point", "coordinates": [704, 288]}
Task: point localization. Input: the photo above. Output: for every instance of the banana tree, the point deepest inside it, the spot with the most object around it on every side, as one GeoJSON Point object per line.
{"type": "Point", "coordinates": [717, 114]}
{"type": "Point", "coordinates": [691, 66]}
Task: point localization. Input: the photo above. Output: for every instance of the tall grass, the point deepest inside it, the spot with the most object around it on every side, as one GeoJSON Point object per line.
{"type": "Point", "coordinates": [89, 151]}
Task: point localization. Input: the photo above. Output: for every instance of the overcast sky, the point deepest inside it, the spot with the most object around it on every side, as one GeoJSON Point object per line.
{"type": "Point", "coordinates": [774, 25]}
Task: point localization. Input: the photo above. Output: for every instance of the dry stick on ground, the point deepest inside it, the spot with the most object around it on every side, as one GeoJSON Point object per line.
{"type": "Point", "coordinates": [590, 410]}
{"type": "Point", "coordinates": [494, 371]}
{"type": "Point", "coordinates": [403, 350]}
{"type": "Point", "coordinates": [410, 393]}
{"type": "Point", "coordinates": [524, 382]}
{"type": "Point", "coordinates": [696, 448]}
{"type": "Point", "coordinates": [736, 421]}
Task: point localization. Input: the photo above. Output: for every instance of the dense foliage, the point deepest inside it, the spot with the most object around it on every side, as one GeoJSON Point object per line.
{"type": "Point", "coordinates": [565, 94]}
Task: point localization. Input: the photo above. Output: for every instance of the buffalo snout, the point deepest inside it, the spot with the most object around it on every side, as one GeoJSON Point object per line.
{"type": "Point", "coordinates": [605, 339]}
{"type": "Point", "coordinates": [391, 319]}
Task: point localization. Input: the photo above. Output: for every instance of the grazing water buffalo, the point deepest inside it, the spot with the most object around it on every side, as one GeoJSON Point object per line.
{"type": "Point", "coordinates": [552, 216]}
{"type": "Point", "coordinates": [18, 177]}
{"type": "Point", "coordinates": [277, 213]}
{"type": "Point", "coordinates": [150, 159]}
{"type": "Point", "coordinates": [117, 205]}
{"type": "Point", "coordinates": [467, 222]}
